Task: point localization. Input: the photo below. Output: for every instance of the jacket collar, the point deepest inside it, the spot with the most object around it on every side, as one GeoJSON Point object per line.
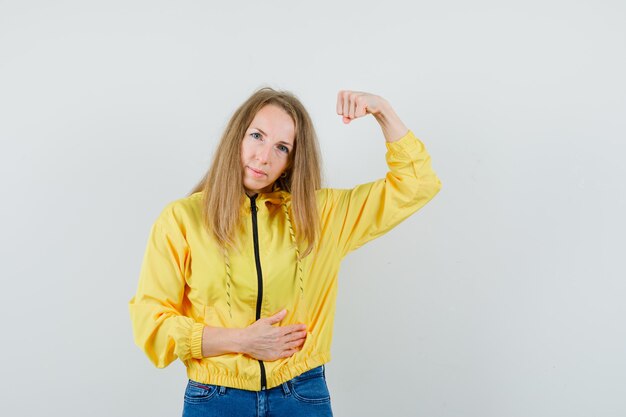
{"type": "Point", "coordinates": [275, 197]}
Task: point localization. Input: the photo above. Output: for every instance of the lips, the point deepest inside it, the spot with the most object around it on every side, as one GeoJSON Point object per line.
{"type": "Point", "coordinates": [256, 171]}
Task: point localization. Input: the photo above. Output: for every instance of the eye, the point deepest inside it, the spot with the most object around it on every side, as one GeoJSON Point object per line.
{"type": "Point", "coordinates": [283, 148]}
{"type": "Point", "coordinates": [255, 133]}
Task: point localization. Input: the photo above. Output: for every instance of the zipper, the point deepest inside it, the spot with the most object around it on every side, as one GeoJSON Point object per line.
{"type": "Point", "coordinates": [259, 274]}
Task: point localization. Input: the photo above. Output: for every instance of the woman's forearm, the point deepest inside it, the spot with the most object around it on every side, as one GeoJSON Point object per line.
{"type": "Point", "coordinates": [261, 340]}
{"type": "Point", "coordinates": [393, 128]}
{"type": "Point", "coordinates": [219, 341]}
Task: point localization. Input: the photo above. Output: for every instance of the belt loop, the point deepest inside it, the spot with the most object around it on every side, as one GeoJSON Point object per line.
{"type": "Point", "coordinates": [221, 390]}
{"type": "Point", "coordinates": [286, 390]}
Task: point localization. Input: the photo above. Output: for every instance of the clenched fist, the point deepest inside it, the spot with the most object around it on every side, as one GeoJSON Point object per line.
{"type": "Point", "coordinates": [355, 104]}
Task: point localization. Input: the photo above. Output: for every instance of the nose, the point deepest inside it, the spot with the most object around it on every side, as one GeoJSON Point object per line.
{"type": "Point", "coordinates": [263, 153]}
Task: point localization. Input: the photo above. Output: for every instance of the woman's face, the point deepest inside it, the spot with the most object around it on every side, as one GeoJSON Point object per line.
{"type": "Point", "coordinates": [266, 148]}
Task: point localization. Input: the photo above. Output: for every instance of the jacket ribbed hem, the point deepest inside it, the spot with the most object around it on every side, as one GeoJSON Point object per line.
{"type": "Point", "coordinates": [200, 373]}
{"type": "Point", "coordinates": [296, 369]}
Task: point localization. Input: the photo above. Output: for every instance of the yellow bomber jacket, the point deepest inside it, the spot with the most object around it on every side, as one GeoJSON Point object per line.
{"type": "Point", "coordinates": [184, 284]}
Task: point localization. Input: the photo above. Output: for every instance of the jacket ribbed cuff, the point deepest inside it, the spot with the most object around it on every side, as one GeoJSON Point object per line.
{"type": "Point", "coordinates": [196, 340]}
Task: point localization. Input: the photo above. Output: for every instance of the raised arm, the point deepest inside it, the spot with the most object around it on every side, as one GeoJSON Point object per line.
{"type": "Point", "coordinates": [367, 211]}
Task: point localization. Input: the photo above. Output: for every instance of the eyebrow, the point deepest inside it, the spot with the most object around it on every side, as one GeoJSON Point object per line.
{"type": "Point", "coordinates": [265, 134]}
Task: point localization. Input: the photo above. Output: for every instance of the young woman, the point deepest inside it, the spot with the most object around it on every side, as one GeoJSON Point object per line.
{"type": "Point", "coordinates": [239, 278]}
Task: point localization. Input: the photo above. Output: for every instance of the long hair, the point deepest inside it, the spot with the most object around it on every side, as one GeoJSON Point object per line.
{"type": "Point", "coordinates": [222, 185]}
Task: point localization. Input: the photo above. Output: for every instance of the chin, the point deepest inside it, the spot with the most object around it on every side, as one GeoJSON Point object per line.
{"type": "Point", "coordinates": [258, 188]}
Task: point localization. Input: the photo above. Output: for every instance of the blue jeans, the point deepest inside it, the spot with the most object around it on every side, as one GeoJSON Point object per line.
{"type": "Point", "coordinates": [305, 395]}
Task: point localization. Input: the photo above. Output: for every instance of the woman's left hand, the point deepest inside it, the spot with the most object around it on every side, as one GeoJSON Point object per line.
{"type": "Point", "coordinates": [355, 104]}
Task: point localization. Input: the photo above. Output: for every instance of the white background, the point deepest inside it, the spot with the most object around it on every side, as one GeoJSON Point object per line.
{"type": "Point", "coordinates": [503, 297]}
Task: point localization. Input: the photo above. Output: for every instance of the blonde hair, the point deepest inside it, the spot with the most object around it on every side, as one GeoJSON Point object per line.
{"type": "Point", "coordinates": [222, 185]}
